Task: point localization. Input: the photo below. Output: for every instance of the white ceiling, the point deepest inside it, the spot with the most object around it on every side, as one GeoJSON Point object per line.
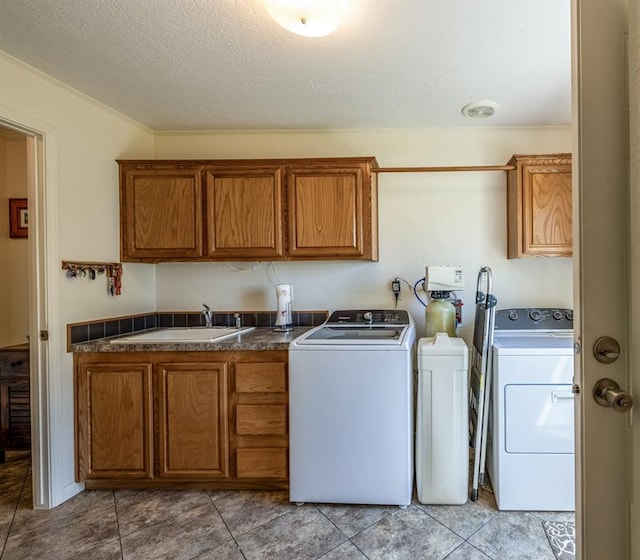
{"type": "Point", "coordinates": [224, 64]}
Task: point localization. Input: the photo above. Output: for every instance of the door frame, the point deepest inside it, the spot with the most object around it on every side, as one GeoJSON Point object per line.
{"type": "Point", "coordinates": [42, 244]}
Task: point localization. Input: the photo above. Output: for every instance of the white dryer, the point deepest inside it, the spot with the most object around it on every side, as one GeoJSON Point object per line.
{"type": "Point", "coordinates": [530, 459]}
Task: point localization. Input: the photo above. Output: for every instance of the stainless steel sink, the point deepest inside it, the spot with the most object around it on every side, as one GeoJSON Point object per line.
{"type": "Point", "coordinates": [176, 334]}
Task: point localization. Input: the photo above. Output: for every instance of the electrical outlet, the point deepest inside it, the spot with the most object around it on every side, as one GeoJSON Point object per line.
{"type": "Point", "coordinates": [395, 288]}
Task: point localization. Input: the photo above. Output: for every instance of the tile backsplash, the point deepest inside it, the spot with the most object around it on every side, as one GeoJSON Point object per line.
{"type": "Point", "coordinates": [93, 330]}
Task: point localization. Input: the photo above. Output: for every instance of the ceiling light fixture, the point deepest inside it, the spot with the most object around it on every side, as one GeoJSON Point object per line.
{"type": "Point", "coordinates": [311, 18]}
{"type": "Point", "coordinates": [480, 109]}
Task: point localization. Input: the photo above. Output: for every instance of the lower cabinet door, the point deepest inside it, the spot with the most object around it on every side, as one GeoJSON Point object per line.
{"type": "Point", "coordinates": [115, 428]}
{"type": "Point", "coordinates": [192, 401]}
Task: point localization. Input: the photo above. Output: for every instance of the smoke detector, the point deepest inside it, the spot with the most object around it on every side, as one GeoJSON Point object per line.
{"type": "Point", "coordinates": [480, 109]}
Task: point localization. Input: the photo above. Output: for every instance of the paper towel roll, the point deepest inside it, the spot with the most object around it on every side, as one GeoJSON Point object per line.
{"type": "Point", "coordinates": [285, 297]}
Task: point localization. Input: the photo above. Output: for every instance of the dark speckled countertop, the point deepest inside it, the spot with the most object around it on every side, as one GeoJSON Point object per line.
{"type": "Point", "coordinates": [261, 338]}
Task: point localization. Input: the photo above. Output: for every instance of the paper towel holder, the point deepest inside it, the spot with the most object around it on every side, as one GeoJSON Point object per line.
{"type": "Point", "coordinates": [284, 295]}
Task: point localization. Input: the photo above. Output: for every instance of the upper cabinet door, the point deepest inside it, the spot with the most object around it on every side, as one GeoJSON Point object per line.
{"type": "Point", "coordinates": [161, 212]}
{"type": "Point", "coordinates": [539, 206]}
{"type": "Point", "coordinates": [332, 211]}
{"type": "Point", "coordinates": [244, 212]}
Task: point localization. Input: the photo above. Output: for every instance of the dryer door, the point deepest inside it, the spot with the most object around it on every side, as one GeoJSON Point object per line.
{"type": "Point", "coordinates": [539, 418]}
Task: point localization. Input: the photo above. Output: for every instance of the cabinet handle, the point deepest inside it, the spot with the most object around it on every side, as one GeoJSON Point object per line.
{"type": "Point", "coordinates": [16, 364]}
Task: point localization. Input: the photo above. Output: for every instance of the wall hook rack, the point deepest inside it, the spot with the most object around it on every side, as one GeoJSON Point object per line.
{"type": "Point", "coordinates": [112, 270]}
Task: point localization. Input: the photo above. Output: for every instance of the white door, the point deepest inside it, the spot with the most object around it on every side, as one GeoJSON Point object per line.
{"type": "Point", "coordinates": [606, 274]}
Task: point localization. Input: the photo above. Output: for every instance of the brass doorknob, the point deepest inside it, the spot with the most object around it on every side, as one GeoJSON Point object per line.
{"type": "Point", "coordinates": [607, 393]}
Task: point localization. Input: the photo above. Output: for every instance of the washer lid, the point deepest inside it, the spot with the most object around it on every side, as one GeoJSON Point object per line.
{"type": "Point", "coordinates": [376, 334]}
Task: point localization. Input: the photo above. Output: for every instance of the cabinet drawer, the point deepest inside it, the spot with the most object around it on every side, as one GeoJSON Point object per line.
{"type": "Point", "coordinates": [261, 377]}
{"type": "Point", "coordinates": [261, 420]}
{"type": "Point", "coordinates": [262, 463]}
{"type": "Point", "coordinates": [14, 363]}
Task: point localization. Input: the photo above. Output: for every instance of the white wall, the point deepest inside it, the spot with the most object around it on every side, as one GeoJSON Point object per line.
{"type": "Point", "coordinates": [425, 218]}
{"type": "Point", "coordinates": [83, 139]}
{"type": "Point", "coordinates": [14, 320]}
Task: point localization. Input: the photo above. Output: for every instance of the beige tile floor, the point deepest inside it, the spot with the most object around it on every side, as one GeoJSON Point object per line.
{"type": "Point", "coordinates": [251, 525]}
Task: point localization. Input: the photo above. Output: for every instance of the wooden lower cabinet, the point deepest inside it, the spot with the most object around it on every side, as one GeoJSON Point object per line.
{"type": "Point", "coordinates": [170, 419]}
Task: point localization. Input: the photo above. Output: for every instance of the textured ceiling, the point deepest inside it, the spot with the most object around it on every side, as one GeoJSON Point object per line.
{"type": "Point", "coordinates": [224, 64]}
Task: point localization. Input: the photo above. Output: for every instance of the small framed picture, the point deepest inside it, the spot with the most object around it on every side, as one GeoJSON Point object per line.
{"type": "Point", "coordinates": [18, 217]}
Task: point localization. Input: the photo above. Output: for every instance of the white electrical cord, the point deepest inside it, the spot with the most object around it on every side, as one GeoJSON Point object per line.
{"type": "Point", "coordinates": [252, 268]}
{"type": "Point", "coordinates": [274, 273]}
{"type": "Point", "coordinates": [409, 285]}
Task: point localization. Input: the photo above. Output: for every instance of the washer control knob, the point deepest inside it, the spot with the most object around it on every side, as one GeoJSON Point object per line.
{"type": "Point", "coordinates": [368, 317]}
{"type": "Point", "coordinates": [535, 315]}
{"type": "Point", "coordinates": [557, 315]}
{"type": "Point", "coordinates": [569, 315]}
{"type": "Point", "coordinates": [513, 315]}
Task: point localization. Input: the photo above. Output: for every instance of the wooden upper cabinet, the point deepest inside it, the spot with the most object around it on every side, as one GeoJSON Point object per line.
{"type": "Point", "coordinates": [539, 206]}
{"type": "Point", "coordinates": [160, 212]}
{"type": "Point", "coordinates": [244, 212]}
{"type": "Point", "coordinates": [207, 210]}
{"type": "Point", "coordinates": [332, 210]}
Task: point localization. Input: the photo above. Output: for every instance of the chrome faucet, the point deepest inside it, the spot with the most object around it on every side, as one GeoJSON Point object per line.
{"type": "Point", "coordinates": [208, 315]}
{"type": "Point", "coordinates": [238, 320]}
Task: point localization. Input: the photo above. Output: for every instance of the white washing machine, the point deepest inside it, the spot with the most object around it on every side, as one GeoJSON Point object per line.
{"type": "Point", "coordinates": [530, 459]}
{"type": "Point", "coordinates": [351, 410]}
